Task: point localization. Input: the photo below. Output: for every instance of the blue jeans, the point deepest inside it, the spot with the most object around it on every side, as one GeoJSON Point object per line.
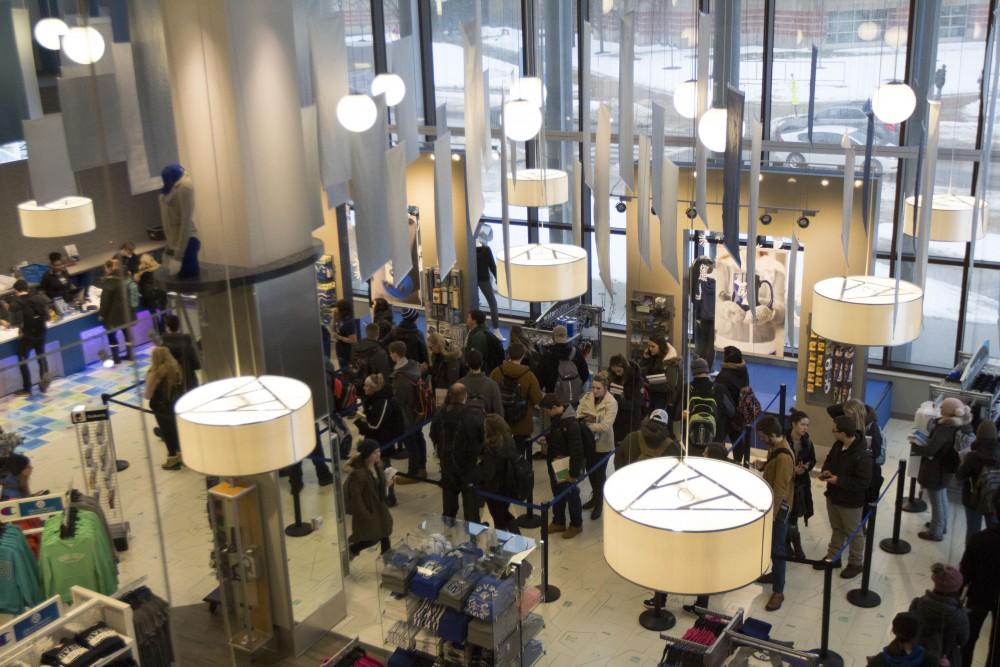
{"type": "Point", "coordinates": [572, 499]}
{"type": "Point", "coordinates": [939, 511]}
{"type": "Point", "coordinates": [974, 522]}
{"type": "Point", "coordinates": [779, 532]}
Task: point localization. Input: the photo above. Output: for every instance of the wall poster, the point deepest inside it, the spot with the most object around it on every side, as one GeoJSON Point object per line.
{"type": "Point", "coordinates": [829, 370]}
{"type": "Point", "coordinates": [734, 324]}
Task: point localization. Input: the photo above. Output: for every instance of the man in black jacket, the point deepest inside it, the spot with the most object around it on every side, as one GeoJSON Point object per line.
{"type": "Point", "coordinates": [847, 472]}
{"type": "Point", "coordinates": [409, 333]}
{"type": "Point", "coordinates": [564, 442]}
{"type": "Point", "coordinates": [457, 434]}
{"type": "Point", "coordinates": [979, 569]}
{"type": "Point", "coordinates": [182, 347]}
{"type": "Point", "coordinates": [561, 349]}
{"type": "Point", "coordinates": [30, 312]}
{"type": "Point", "coordinates": [369, 357]}
{"type": "Point", "coordinates": [56, 282]}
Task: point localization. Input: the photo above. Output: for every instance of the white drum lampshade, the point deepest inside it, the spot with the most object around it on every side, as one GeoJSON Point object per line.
{"type": "Point", "coordinates": [83, 45]}
{"type": "Point", "coordinates": [390, 85]}
{"type": "Point", "coordinates": [538, 187]}
{"type": "Point", "coordinates": [951, 218]}
{"type": "Point", "coordinates": [356, 113]}
{"type": "Point", "coordinates": [543, 272]}
{"type": "Point", "coordinates": [63, 217]}
{"type": "Point", "coordinates": [522, 120]}
{"type": "Point", "coordinates": [246, 425]}
{"type": "Point", "coordinates": [894, 102]}
{"type": "Point", "coordinates": [858, 310]}
{"type": "Point", "coordinates": [49, 32]}
{"type": "Point", "coordinates": [712, 129]}
{"type": "Point", "coordinates": [688, 526]}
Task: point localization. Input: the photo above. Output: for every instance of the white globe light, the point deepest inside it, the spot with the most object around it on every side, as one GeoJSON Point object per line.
{"type": "Point", "coordinates": [867, 31]}
{"type": "Point", "coordinates": [528, 88]}
{"type": "Point", "coordinates": [390, 85]}
{"type": "Point", "coordinates": [895, 37]}
{"type": "Point", "coordinates": [712, 129]}
{"type": "Point", "coordinates": [894, 102]}
{"type": "Point", "coordinates": [686, 98]}
{"type": "Point", "coordinates": [48, 32]}
{"type": "Point", "coordinates": [607, 6]}
{"type": "Point", "coordinates": [522, 120]}
{"type": "Point", "coordinates": [83, 45]}
{"type": "Point", "coordinates": [356, 113]}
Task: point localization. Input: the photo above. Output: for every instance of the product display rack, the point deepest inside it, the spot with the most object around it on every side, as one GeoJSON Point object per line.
{"type": "Point", "coordinates": [443, 305]}
{"type": "Point", "coordinates": [461, 594]}
{"type": "Point", "coordinates": [648, 314]}
{"type": "Point", "coordinates": [974, 381]}
{"type": "Point", "coordinates": [97, 460]}
{"type": "Point", "coordinates": [829, 370]}
{"type": "Point", "coordinates": [326, 289]}
{"type": "Point", "coordinates": [583, 324]}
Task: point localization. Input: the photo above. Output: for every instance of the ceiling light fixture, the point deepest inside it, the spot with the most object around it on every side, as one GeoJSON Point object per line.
{"type": "Point", "coordinates": [390, 85]}
{"type": "Point", "coordinates": [49, 32]}
{"type": "Point", "coordinates": [538, 187]}
{"type": "Point", "coordinates": [858, 310]}
{"type": "Point", "coordinates": [712, 129]}
{"type": "Point", "coordinates": [522, 120]}
{"type": "Point", "coordinates": [83, 45]}
{"type": "Point", "coordinates": [68, 216]}
{"type": "Point", "coordinates": [543, 272]}
{"type": "Point", "coordinates": [951, 217]}
{"type": "Point", "coordinates": [893, 102]}
{"type": "Point", "coordinates": [357, 113]}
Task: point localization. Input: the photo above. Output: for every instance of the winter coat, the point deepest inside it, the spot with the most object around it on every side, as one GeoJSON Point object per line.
{"type": "Point", "coordinates": [58, 284]}
{"type": "Point", "coordinates": [564, 439]}
{"type": "Point", "coordinates": [939, 460]}
{"type": "Point", "coordinates": [446, 368]}
{"type": "Point", "coordinates": [407, 332]}
{"type": "Point", "coordinates": [370, 356]}
{"type": "Point", "coordinates": [485, 391]}
{"type": "Point", "coordinates": [732, 377]}
{"type": "Point", "coordinates": [496, 466]}
{"type": "Point", "coordinates": [184, 352]}
{"type": "Point", "coordinates": [365, 495]}
{"type": "Point", "coordinates": [150, 297]}
{"type": "Point", "coordinates": [383, 420]}
{"type": "Point", "coordinates": [944, 625]}
{"type": "Point", "coordinates": [806, 455]}
{"type": "Point", "coordinates": [476, 340]}
{"type": "Point", "coordinates": [918, 658]}
{"type": "Point", "coordinates": [177, 216]}
{"type": "Point", "coordinates": [984, 453]}
{"type": "Point", "coordinates": [24, 307]}
{"type": "Point", "coordinates": [979, 569]}
{"type": "Point", "coordinates": [648, 442]}
{"type": "Point", "coordinates": [457, 434]}
{"type": "Point", "coordinates": [670, 366]}
{"type": "Point", "coordinates": [551, 357]}
{"type": "Point", "coordinates": [115, 310]}
{"type": "Point", "coordinates": [404, 390]}
{"type": "Point", "coordinates": [779, 473]}
{"type": "Point", "coordinates": [629, 397]}
{"type": "Point", "coordinates": [529, 389]}
{"type": "Point", "coordinates": [603, 429]}
{"type": "Point", "coordinates": [853, 467]}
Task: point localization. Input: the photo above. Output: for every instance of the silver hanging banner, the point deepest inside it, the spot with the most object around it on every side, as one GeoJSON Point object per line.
{"type": "Point", "coordinates": [577, 203]}
{"type": "Point", "coordinates": [368, 169]}
{"type": "Point", "coordinates": [602, 196]}
{"type": "Point", "coordinates": [140, 177]}
{"type": "Point", "coordinates": [328, 53]}
{"type": "Point", "coordinates": [310, 138]}
{"type": "Point", "coordinates": [813, 65]}
{"type": "Point", "coordinates": [443, 215]}
{"type": "Point", "coordinates": [475, 118]}
{"type": "Point", "coordinates": [656, 145]}
{"type": "Point", "coordinates": [642, 199]}
{"type": "Point", "coordinates": [398, 217]}
{"type": "Point", "coordinates": [402, 56]}
{"type": "Point", "coordinates": [923, 236]}
{"type": "Point", "coordinates": [793, 267]}
{"type": "Point", "coordinates": [700, 152]}
{"type": "Point", "coordinates": [756, 138]}
{"type": "Point", "coordinates": [666, 210]}
{"type": "Point", "coordinates": [585, 124]}
{"type": "Point", "coordinates": [626, 108]}
{"type": "Point", "coordinates": [504, 196]}
{"type": "Point", "coordinates": [49, 168]}
{"type": "Point", "coordinates": [866, 187]}
{"type": "Point", "coordinates": [731, 174]}
{"type": "Point", "coordinates": [847, 200]}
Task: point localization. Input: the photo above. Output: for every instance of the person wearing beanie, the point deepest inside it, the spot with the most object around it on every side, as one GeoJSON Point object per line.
{"type": "Point", "coordinates": [732, 377]}
{"type": "Point", "coordinates": [661, 366]}
{"type": "Point", "coordinates": [365, 494]}
{"type": "Point", "coordinates": [944, 627]}
{"type": "Point", "coordinates": [939, 461]}
{"type": "Point", "coordinates": [702, 410]}
{"type": "Point", "coordinates": [564, 441]}
{"type": "Point", "coordinates": [903, 651]}
{"type": "Point", "coordinates": [847, 472]}
{"type": "Point", "coordinates": [409, 333]}
{"type": "Point", "coordinates": [980, 572]}
{"type": "Point", "coordinates": [977, 499]}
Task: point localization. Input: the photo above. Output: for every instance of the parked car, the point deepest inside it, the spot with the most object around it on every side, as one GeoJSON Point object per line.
{"type": "Point", "coordinates": [850, 115]}
{"type": "Point", "coordinates": [829, 134]}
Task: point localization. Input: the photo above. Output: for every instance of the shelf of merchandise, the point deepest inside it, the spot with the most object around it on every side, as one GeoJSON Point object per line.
{"type": "Point", "coordinates": [443, 306]}
{"type": "Point", "coordinates": [96, 444]}
{"type": "Point", "coordinates": [326, 289]}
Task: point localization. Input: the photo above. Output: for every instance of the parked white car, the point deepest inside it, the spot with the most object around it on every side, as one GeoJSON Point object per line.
{"type": "Point", "coordinates": [829, 134]}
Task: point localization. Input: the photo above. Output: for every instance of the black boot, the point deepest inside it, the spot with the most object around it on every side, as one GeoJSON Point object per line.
{"type": "Point", "coordinates": [795, 542]}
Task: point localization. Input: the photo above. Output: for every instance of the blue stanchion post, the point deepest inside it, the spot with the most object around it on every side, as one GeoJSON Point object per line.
{"type": "Point", "coordinates": [864, 597]}
{"type": "Point", "coordinates": [894, 545]}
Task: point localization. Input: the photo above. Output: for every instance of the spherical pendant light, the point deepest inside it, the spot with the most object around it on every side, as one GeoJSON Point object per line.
{"type": "Point", "coordinates": [83, 45]}
{"type": "Point", "coordinates": [390, 85]}
{"type": "Point", "coordinates": [867, 31]}
{"type": "Point", "coordinates": [356, 113]}
{"type": "Point", "coordinates": [49, 32]}
{"type": "Point", "coordinates": [894, 102]}
{"type": "Point", "coordinates": [686, 98]}
{"type": "Point", "coordinates": [607, 6]}
{"type": "Point", "coordinates": [522, 120]}
{"type": "Point", "coordinates": [528, 88]}
{"type": "Point", "coordinates": [895, 37]}
{"type": "Point", "coordinates": [712, 129]}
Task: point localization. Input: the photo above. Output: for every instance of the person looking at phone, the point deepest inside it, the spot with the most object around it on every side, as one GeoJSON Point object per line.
{"type": "Point", "coordinates": [779, 472]}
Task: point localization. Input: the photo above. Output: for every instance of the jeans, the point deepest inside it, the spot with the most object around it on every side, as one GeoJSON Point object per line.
{"type": "Point", "coordinates": [486, 287]}
{"type": "Point", "coordinates": [976, 619]}
{"type": "Point", "coordinates": [779, 532]}
{"type": "Point", "coordinates": [24, 347]}
{"type": "Point", "coordinates": [939, 511]}
{"type": "Point", "coordinates": [168, 431]}
{"type": "Point", "coordinates": [974, 522]}
{"type": "Point", "coordinates": [572, 499]}
{"type": "Point", "coordinates": [357, 547]}
{"type": "Point", "coordinates": [189, 261]}
{"type": "Point", "coordinates": [453, 486]}
{"type": "Point", "coordinates": [113, 343]}
{"type": "Point", "coordinates": [416, 447]}
{"type": "Point", "coordinates": [843, 521]}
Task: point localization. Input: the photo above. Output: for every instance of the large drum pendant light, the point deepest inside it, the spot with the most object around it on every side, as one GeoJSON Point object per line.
{"type": "Point", "coordinates": [951, 218]}
{"type": "Point", "coordinates": [858, 310]}
{"type": "Point", "coordinates": [538, 187]}
{"type": "Point", "coordinates": [543, 272]}
{"type": "Point", "coordinates": [63, 217]}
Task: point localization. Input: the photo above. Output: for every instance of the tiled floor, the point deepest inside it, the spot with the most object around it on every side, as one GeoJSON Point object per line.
{"type": "Point", "coordinates": [593, 623]}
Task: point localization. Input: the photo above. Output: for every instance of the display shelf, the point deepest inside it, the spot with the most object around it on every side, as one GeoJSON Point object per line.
{"type": "Point", "coordinates": [326, 289]}
{"type": "Point", "coordinates": [583, 324]}
{"type": "Point", "coordinates": [829, 370]}
{"type": "Point", "coordinates": [96, 444]}
{"type": "Point", "coordinates": [649, 314]}
{"type": "Point", "coordinates": [975, 381]}
{"type": "Point", "coordinates": [443, 306]}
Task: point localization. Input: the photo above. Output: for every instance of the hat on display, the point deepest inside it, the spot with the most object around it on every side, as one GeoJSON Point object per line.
{"type": "Point", "coordinates": [946, 578]}
{"type": "Point", "coordinates": [549, 401]}
{"type": "Point", "coordinates": [410, 314]}
{"type": "Point", "coordinates": [367, 446]}
{"type": "Point", "coordinates": [559, 334]}
{"type": "Point", "coordinates": [661, 416]}
{"type": "Point", "coordinates": [170, 175]}
{"type": "Point", "coordinates": [987, 430]}
{"type": "Point", "coordinates": [732, 355]}
{"type": "Point", "coordinates": [699, 366]}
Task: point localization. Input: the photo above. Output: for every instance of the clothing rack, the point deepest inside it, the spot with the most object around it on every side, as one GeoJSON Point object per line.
{"type": "Point", "coordinates": [786, 652]}
{"type": "Point", "coordinates": [33, 507]}
{"type": "Point", "coordinates": [130, 586]}
{"type": "Point", "coordinates": [716, 653]}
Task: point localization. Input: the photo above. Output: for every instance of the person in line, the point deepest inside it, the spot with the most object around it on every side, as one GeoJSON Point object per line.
{"type": "Point", "coordinates": [979, 569]}
{"type": "Point", "coordinates": [779, 473]}
{"type": "Point", "coordinates": [597, 411]}
{"type": "Point", "coordinates": [164, 385]}
{"type": "Point", "coordinates": [408, 333]}
{"type": "Point", "coordinates": [445, 366]}
{"type": "Point", "coordinates": [944, 627]}
{"type": "Point", "coordinates": [56, 282]}
{"type": "Point", "coordinates": [566, 379]}
{"type": "Point", "coordinates": [127, 257]}
{"type": "Point", "coordinates": [15, 476]}
{"type": "Point", "coordinates": [382, 316]}
{"type": "Point", "coordinates": [483, 389]}
{"type": "Point", "coordinates": [939, 462]}
{"type": "Point", "coordinates": [805, 460]}
{"type": "Point", "coordinates": [496, 470]}
{"type": "Point", "coordinates": [365, 492]}
{"type": "Point", "coordinates": [985, 455]}
{"type": "Point", "coordinates": [867, 422]}
{"type": "Point", "coordinates": [457, 434]}
{"type": "Point", "coordinates": [183, 347]}
{"type": "Point", "coordinates": [345, 332]}
{"type": "Point", "coordinates": [30, 313]}
{"type": "Point", "coordinates": [520, 394]}
{"type": "Point", "coordinates": [704, 396]}
{"type": "Point", "coordinates": [847, 472]}
{"type": "Point", "coordinates": [903, 651]}
{"type": "Point", "coordinates": [406, 376]}
{"type": "Point", "coordinates": [152, 298]}
{"type": "Point", "coordinates": [477, 339]}
{"type": "Point", "coordinates": [532, 357]}
{"type": "Point", "coordinates": [661, 368]}
{"type": "Point", "coordinates": [732, 377]}
{"type": "Point", "coordinates": [626, 386]}
{"type": "Point", "coordinates": [115, 311]}
{"type": "Point", "coordinates": [368, 356]}
{"type": "Point", "coordinates": [564, 442]}
{"type": "Point", "coordinates": [382, 420]}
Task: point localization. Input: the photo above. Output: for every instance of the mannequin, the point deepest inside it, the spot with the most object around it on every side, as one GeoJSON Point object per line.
{"type": "Point", "coordinates": [703, 311]}
{"type": "Point", "coordinates": [486, 271]}
{"type": "Point", "coordinates": [177, 216]}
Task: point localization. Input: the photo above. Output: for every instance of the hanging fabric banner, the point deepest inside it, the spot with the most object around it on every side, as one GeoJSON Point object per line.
{"type": "Point", "coordinates": [812, 89]}
{"type": "Point", "coordinates": [577, 203]}
{"type": "Point", "coordinates": [847, 200]}
{"type": "Point", "coordinates": [310, 137]}
{"type": "Point", "coordinates": [585, 124]}
{"type": "Point", "coordinates": [504, 196]}
{"type": "Point", "coordinates": [731, 174]}
{"type": "Point", "coordinates": [656, 146]}
{"type": "Point", "coordinates": [398, 218]}
{"type": "Point", "coordinates": [923, 236]}
{"type": "Point", "coordinates": [328, 53]}
{"type": "Point", "coordinates": [626, 109]}
{"type": "Point", "coordinates": [900, 223]}
{"type": "Point", "coordinates": [602, 196]}
{"type": "Point", "coordinates": [793, 267]}
{"type": "Point", "coordinates": [402, 56]}
{"type": "Point", "coordinates": [866, 187]}
{"type": "Point", "coordinates": [140, 178]}
{"type": "Point", "coordinates": [49, 169]}
{"type": "Point", "coordinates": [756, 134]}
{"type": "Point", "coordinates": [443, 223]}
{"type": "Point", "coordinates": [475, 117]}
{"type": "Point", "coordinates": [700, 152]}
{"type": "Point", "coordinates": [666, 210]}
{"type": "Point", "coordinates": [368, 169]}
{"type": "Point", "coordinates": [642, 199]}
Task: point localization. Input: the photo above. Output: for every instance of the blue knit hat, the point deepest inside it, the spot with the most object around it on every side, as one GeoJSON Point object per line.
{"type": "Point", "coordinates": [170, 174]}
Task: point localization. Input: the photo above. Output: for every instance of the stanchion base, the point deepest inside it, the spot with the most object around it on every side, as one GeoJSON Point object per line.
{"type": "Point", "coordinates": [299, 529]}
{"type": "Point", "coordinates": [530, 521]}
{"type": "Point", "coordinates": [914, 506]}
{"type": "Point", "coordinates": [897, 547]}
{"type": "Point", "coordinates": [832, 659]}
{"type": "Point", "coordinates": [121, 465]}
{"type": "Point", "coordinates": [657, 620]}
{"type": "Point", "coordinates": [552, 593]}
{"type": "Point", "coordinates": [864, 599]}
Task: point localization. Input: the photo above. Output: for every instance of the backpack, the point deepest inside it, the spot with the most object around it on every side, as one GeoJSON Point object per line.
{"type": "Point", "coordinates": [494, 353]}
{"type": "Point", "coordinates": [133, 294]}
{"type": "Point", "coordinates": [985, 487]}
{"type": "Point", "coordinates": [524, 477]}
{"type": "Point", "coordinates": [569, 386]}
{"type": "Point", "coordinates": [962, 443]}
{"type": "Point", "coordinates": [748, 407]}
{"type": "Point", "coordinates": [34, 316]}
{"type": "Point", "coordinates": [701, 422]}
{"type": "Point", "coordinates": [515, 405]}
{"type": "Point", "coordinates": [476, 399]}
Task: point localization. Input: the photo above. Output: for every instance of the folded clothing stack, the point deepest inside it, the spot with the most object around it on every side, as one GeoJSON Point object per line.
{"type": "Point", "coordinates": [431, 575]}
{"type": "Point", "coordinates": [399, 607]}
{"type": "Point", "coordinates": [489, 634]}
{"type": "Point", "coordinates": [399, 634]}
{"type": "Point", "coordinates": [427, 642]}
{"type": "Point", "coordinates": [531, 652]}
{"type": "Point", "coordinates": [404, 658]}
{"type": "Point", "coordinates": [454, 626]}
{"type": "Point", "coordinates": [489, 598]}
{"type": "Point", "coordinates": [453, 654]}
{"type": "Point", "coordinates": [427, 616]}
{"type": "Point", "coordinates": [530, 597]}
{"type": "Point", "coordinates": [399, 565]}
{"type": "Point", "coordinates": [531, 626]}
{"type": "Point", "coordinates": [456, 590]}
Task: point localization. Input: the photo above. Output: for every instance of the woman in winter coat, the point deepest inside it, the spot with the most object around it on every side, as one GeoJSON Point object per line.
{"type": "Point", "coordinates": [732, 377]}
{"type": "Point", "coordinates": [164, 385]}
{"type": "Point", "coordinates": [446, 366]}
{"type": "Point", "coordinates": [626, 387]}
{"type": "Point", "coordinates": [944, 625]}
{"type": "Point", "coordinates": [383, 420]}
{"type": "Point", "coordinates": [985, 453]}
{"type": "Point", "coordinates": [939, 461]}
{"type": "Point", "coordinates": [496, 470]}
{"type": "Point", "coordinates": [597, 411]}
{"type": "Point", "coordinates": [805, 461]}
{"type": "Point", "coordinates": [661, 369]}
{"type": "Point", "coordinates": [365, 493]}
{"type": "Point", "coordinates": [151, 297]}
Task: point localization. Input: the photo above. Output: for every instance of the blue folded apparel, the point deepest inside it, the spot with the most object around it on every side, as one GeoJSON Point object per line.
{"type": "Point", "coordinates": [431, 574]}
{"type": "Point", "coordinates": [490, 597]}
{"type": "Point", "coordinates": [454, 626]}
{"type": "Point", "coordinates": [402, 658]}
{"type": "Point", "coordinates": [531, 653]}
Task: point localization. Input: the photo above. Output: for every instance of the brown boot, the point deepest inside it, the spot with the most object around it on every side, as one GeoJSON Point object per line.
{"type": "Point", "coordinates": [774, 604]}
{"type": "Point", "coordinates": [556, 528]}
{"type": "Point", "coordinates": [172, 463]}
{"type": "Point", "coordinates": [571, 532]}
{"type": "Point", "coordinates": [414, 477]}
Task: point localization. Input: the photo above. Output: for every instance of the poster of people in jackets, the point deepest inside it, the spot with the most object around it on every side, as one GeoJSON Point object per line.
{"type": "Point", "coordinates": [407, 291]}
{"type": "Point", "coordinates": [734, 324]}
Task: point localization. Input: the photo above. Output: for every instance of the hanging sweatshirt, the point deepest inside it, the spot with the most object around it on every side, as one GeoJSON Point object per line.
{"type": "Point", "coordinates": [20, 587]}
{"type": "Point", "coordinates": [83, 559]}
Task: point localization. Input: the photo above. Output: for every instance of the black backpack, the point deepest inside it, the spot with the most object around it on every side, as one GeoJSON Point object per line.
{"type": "Point", "coordinates": [34, 316]}
{"type": "Point", "coordinates": [494, 353]}
{"type": "Point", "coordinates": [515, 405]}
{"type": "Point", "coordinates": [589, 444]}
{"type": "Point", "coordinates": [524, 477]}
